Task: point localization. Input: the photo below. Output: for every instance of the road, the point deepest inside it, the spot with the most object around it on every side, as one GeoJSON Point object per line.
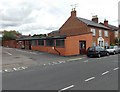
{"type": "Point", "coordinates": [69, 74]}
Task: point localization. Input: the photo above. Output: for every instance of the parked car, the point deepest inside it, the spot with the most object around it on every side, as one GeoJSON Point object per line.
{"type": "Point", "coordinates": [118, 49]}
{"type": "Point", "coordinates": [113, 49]}
{"type": "Point", "coordinates": [97, 51]}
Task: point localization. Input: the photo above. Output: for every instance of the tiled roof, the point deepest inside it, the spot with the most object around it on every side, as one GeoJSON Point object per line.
{"type": "Point", "coordinates": [92, 23]}
{"type": "Point", "coordinates": [114, 28]}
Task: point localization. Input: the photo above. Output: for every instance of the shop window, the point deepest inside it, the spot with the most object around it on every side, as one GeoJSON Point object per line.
{"type": "Point", "coordinates": [50, 42]}
{"type": "Point", "coordinates": [34, 43]}
{"type": "Point", "coordinates": [41, 42]}
{"type": "Point", "coordinates": [60, 43]}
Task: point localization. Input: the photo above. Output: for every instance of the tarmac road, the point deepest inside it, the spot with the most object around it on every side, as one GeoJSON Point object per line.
{"type": "Point", "coordinates": [74, 74]}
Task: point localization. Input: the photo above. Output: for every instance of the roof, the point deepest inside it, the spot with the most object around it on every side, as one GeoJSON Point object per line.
{"type": "Point", "coordinates": [40, 38]}
{"type": "Point", "coordinates": [114, 28]}
{"type": "Point", "coordinates": [92, 23]}
{"type": "Point", "coordinates": [56, 32]}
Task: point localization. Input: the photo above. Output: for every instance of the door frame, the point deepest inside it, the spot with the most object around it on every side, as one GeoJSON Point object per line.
{"type": "Point", "coordinates": [82, 49]}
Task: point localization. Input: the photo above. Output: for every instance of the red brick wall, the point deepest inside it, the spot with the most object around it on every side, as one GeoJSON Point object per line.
{"type": "Point", "coordinates": [72, 43]}
{"type": "Point", "coordinates": [49, 49]}
{"type": "Point", "coordinates": [73, 27]}
{"type": "Point", "coordinates": [95, 38]}
{"type": "Point", "coordinates": [112, 37]}
{"type": "Point", "coordinates": [9, 43]}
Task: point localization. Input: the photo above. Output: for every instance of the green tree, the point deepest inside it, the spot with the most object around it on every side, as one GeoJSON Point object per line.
{"type": "Point", "coordinates": [10, 35]}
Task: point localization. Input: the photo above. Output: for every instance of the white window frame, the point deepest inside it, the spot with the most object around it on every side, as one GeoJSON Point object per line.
{"type": "Point", "coordinates": [93, 31]}
{"type": "Point", "coordinates": [100, 32]}
{"type": "Point", "coordinates": [106, 33]}
{"type": "Point", "coordinates": [116, 33]}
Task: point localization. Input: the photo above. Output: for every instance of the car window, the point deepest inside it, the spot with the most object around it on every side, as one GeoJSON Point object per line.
{"type": "Point", "coordinates": [91, 48]}
{"type": "Point", "coordinates": [111, 47]}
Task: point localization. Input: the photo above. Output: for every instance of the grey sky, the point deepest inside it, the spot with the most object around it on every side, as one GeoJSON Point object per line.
{"type": "Point", "coordinates": [44, 16]}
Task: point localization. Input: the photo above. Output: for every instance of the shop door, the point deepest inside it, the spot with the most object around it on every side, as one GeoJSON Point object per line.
{"type": "Point", "coordinates": [82, 45]}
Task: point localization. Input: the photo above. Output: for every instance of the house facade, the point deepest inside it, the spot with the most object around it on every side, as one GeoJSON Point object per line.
{"type": "Point", "coordinates": [74, 37]}
{"type": "Point", "coordinates": [79, 26]}
{"type": "Point", "coordinates": [114, 32]}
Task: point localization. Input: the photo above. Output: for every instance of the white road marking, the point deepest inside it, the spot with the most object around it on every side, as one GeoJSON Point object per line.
{"type": "Point", "coordinates": [116, 68]}
{"type": "Point", "coordinates": [105, 72]}
{"type": "Point", "coordinates": [66, 88]}
{"type": "Point", "coordinates": [32, 53]}
{"type": "Point", "coordinates": [6, 70]}
{"type": "Point", "coordinates": [44, 64]}
{"type": "Point", "coordinates": [60, 61]}
{"type": "Point", "coordinates": [89, 79]}
{"type": "Point", "coordinates": [54, 62]}
{"type": "Point", "coordinates": [15, 69]}
{"type": "Point", "coordinates": [20, 68]}
{"type": "Point", "coordinates": [98, 58]}
{"type": "Point", "coordinates": [8, 53]}
{"type": "Point", "coordinates": [85, 61]}
{"type": "Point", "coordinates": [23, 67]}
{"type": "Point", "coordinates": [74, 59]}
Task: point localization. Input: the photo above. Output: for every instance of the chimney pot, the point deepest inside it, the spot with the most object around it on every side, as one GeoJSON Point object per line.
{"type": "Point", "coordinates": [95, 18]}
{"type": "Point", "coordinates": [73, 13]}
{"type": "Point", "coordinates": [106, 22]}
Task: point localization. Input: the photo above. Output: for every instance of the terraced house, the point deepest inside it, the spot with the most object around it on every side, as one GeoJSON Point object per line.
{"type": "Point", "coordinates": [73, 37]}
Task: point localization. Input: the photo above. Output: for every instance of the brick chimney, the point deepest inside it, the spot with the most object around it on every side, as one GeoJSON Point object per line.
{"type": "Point", "coordinates": [95, 18]}
{"type": "Point", "coordinates": [73, 13]}
{"type": "Point", "coordinates": [106, 22]}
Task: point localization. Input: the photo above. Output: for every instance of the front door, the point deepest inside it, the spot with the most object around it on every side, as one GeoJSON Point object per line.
{"type": "Point", "coordinates": [82, 45]}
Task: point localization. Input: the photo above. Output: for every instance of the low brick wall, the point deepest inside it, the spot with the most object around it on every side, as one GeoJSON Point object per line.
{"type": "Point", "coordinates": [9, 43]}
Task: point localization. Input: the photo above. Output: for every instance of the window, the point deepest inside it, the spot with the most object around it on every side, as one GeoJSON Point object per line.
{"type": "Point", "coordinates": [106, 43]}
{"type": "Point", "coordinates": [60, 43]}
{"type": "Point", "coordinates": [100, 32]}
{"type": "Point", "coordinates": [93, 31]}
{"type": "Point", "coordinates": [93, 44]}
{"type": "Point", "coordinates": [50, 42]}
{"type": "Point", "coordinates": [34, 43]}
{"type": "Point", "coordinates": [41, 42]}
{"type": "Point", "coordinates": [106, 33]}
{"type": "Point", "coordinates": [116, 33]}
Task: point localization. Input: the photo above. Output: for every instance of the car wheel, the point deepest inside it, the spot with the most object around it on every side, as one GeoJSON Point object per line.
{"type": "Point", "coordinates": [114, 53]}
{"type": "Point", "coordinates": [99, 55]}
{"type": "Point", "coordinates": [108, 54]}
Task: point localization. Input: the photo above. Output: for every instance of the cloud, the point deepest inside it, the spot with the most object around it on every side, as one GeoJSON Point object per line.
{"type": "Point", "coordinates": [43, 16]}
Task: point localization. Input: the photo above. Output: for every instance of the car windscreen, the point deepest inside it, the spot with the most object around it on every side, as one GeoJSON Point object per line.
{"type": "Point", "coordinates": [111, 47]}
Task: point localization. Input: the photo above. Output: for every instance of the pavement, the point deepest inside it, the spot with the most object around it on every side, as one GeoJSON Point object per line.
{"type": "Point", "coordinates": [19, 59]}
{"type": "Point", "coordinates": [69, 73]}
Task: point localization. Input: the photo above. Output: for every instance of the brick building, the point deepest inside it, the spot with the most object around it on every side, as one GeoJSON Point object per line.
{"type": "Point", "coordinates": [114, 32]}
{"type": "Point", "coordinates": [73, 38]}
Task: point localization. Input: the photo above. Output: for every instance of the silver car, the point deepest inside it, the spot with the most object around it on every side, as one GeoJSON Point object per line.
{"type": "Point", "coordinates": [113, 49]}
